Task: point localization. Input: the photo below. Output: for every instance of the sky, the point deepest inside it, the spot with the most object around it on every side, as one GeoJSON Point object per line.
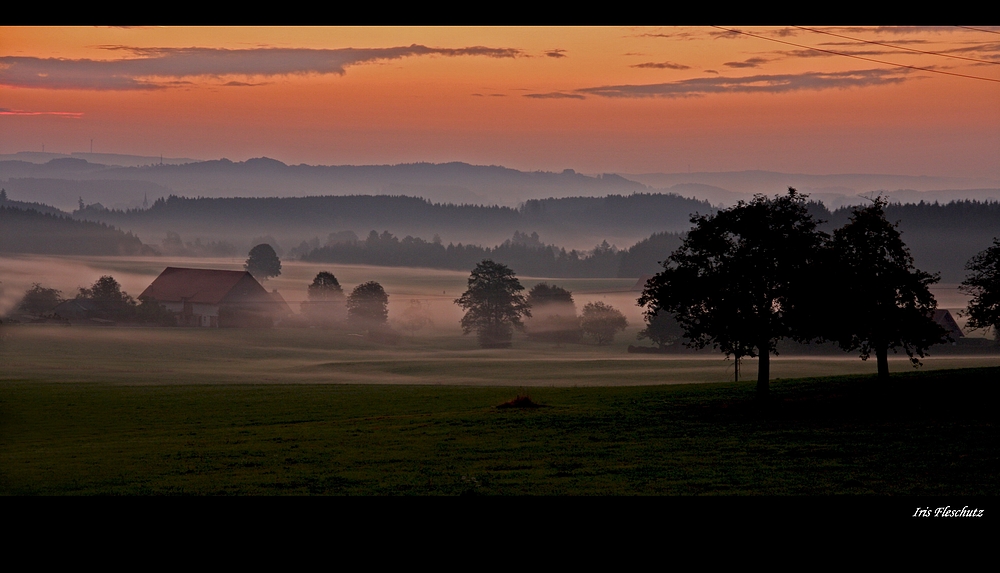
{"type": "Point", "coordinates": [897, 100]}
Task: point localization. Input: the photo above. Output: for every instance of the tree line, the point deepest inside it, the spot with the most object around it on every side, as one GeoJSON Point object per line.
{"type": "Point", "coordinates": [747, 277]}
{"type": "Point", "coordinates": [524, 251]}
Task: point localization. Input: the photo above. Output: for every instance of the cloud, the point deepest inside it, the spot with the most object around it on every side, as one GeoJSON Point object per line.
{"type": "Point", "coordinates": [676, 35]}
{"type": "Point", "coordinates": [782, 83]}
{"type": "Point", "coordinates": [748, 63]}
{"type": "Point", "coordinates": [152, 68]}
{"type": "Point", "coordinates": [733, 34]}
{"type": "Point", "coordinates": [557, 53]}
{"type": "Point", "coordinates": [555, 95]}
{"type": "Point", "coordinates": [245, 84]}
{"type": "Point", "coordinates": [662, 66]}
{"type": "Point", "coordinates": [69, 114]}
{"type": "Point", "coordinates": [900, 29]}
{"type": "Point", "coordinates": [856, 42]}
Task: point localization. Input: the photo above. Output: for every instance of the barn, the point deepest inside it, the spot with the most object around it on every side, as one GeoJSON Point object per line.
{"type": "Point", "coordinates": [216, 298]}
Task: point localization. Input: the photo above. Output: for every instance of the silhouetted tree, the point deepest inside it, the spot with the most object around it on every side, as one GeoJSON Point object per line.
{"type": "Point", "coordinates": [601, 322]}
{"type": "Point", "coordinates": [368, 306]}
{"type": "Point", "coordinates": [493, 304]}
{"type": "Point", "coordinates": [112, 303]}
{"type": "Point", "coordinates": [263, 262]}
{"type": "Point", "coordinates": [325, 287]}
{"type": "Point", "coordinates": [39, 300]}
{"type": "Point", "coordinates": [883, 302]}
{"type": "Point", "coordinates": [661, 328]}
{"type": "Point", "coordinates": [326, 300]}
{"type": "Point", "coordinates": [983, 285]}
{"type": "Point", "coordinates": [553, 314]}
{"type": "Point", "coordinates": [544, 293]}
{"type": "Point", "coordinates": [739, 278]}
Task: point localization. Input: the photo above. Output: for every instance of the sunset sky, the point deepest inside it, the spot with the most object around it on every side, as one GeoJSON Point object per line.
{"type": "Point", "coordinates": [910, 101]}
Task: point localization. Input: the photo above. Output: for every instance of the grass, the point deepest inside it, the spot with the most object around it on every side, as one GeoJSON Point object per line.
{"type": "Point", "coordinates": [921, 434]}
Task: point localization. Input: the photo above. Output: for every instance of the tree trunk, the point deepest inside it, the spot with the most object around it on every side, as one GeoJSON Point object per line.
{"type": "Point", "coordinates": [763, 374]}
{"type": "Point", "coordinates": [882, 357]}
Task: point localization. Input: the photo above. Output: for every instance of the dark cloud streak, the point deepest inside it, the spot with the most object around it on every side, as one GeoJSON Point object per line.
{"type": "Point", "coordinates": [662, 65]}
{"type": "Point", "coordinates": [555, 95]}
{"type": "Point", "coordinates": [748, 63]}
{"type": "Point", "coordinates": [143, 71]}
{"type": "Point", "coordinates": [782, 83]}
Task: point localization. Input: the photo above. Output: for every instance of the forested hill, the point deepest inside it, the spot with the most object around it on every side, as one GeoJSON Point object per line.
{"type": "Point", "coordinates": [582, 221]}
{"type": "Point", "coordinates": [29, 231]}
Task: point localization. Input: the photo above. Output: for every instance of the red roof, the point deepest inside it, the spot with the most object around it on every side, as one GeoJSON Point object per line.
{"type": "Point", "coordinates": [203, 286]}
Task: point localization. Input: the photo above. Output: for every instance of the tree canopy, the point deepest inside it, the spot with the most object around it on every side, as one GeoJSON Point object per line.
{"type": "Point", "coordinates": [325, 305]}
{"type": "Point", "coordinates": [983, 285]}
{"type": "Point", "coordinates": [325, 287]}
{"type": "Point", "coordinates": [112, 303]}
{"type": "Point", "coordinates": [882, 302]}
{"type": "Point", "coordinates": [741, 278]}
{"type": "Point", "coordinates": [263, 262]}
{"type": "Point", "coordinates": [39, 300]}
{"type": "Point", "coordinates": [661, 328]}
{"type": "Point", "coordinates": [553, 314]}
{"type": "Point", "coordinates": [493, 304]}
{"type": "Point", "coordinates": [544, 293]}
{"type": "Point", "coordinates": [601, 322]}
{"type": "Point", "coordinates": [368, 305]}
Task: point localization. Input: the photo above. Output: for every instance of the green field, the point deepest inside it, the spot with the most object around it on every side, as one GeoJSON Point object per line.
{"type": "Point", "coordinates": [927, 433]}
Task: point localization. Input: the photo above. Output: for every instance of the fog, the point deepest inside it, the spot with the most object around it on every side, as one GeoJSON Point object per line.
{"type": "Point", "coordinates": [434, 290]}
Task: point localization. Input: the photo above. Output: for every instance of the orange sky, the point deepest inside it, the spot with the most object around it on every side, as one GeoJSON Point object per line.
{"type": "Point", "coordinates": [591, 99]}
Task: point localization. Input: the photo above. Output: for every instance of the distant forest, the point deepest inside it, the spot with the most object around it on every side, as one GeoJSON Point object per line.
{"type": "Point", "coordinates": [29, 231]}
{"type": "Point", "coordinates": [525, 253]}
{"type": "Point", "coordinates": [568, 220]}
{"type": "Point", "coordinates": [942, 238]}
{"type": "Point", "coordinates": [404, 231]}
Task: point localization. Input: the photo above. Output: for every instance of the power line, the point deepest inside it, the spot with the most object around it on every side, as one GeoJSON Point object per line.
{"type": "Point", "coordinates": [856, 56]}
{"type": "Point", "coordinates": [897, 47]}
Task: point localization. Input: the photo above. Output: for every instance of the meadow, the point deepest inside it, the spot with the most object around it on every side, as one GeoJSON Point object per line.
{"type": "Point", "coordinates": [922, 434]}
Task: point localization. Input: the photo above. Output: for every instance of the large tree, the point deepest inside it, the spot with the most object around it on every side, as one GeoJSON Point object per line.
{"type": "Point", "coordinates": [39, 300]}
{"type": "Point", "coordinates": [368, 306]}
{"type": "Point", "coordinates": [112, 302]}
{"type": "Point", "coordinates": [553, 314]}
{"type": "Point", "coordinates": [493, 304]}
{"type": "Point", "coordinates": [326, 300]}
{"type": "Point", "coordinates": [983, 285]}
{"type": "Point", "coordinates": [661, 328]}
{"type": "Point", "coordinates": [881, 301]}
{"type": "Point", "coordinates": [601, 322]}
{"type": "Point", "coordinates": [263, 262]}
{"type": "Point", "coordinates": [740, 280]}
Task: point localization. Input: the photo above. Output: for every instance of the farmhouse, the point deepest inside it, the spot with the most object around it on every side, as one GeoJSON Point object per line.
{"type": "Point", "coordinates": [214, 298]}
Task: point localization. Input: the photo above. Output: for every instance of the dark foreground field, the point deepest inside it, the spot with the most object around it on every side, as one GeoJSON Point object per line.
{"type": "Point", "coordinates": [924, 433]}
